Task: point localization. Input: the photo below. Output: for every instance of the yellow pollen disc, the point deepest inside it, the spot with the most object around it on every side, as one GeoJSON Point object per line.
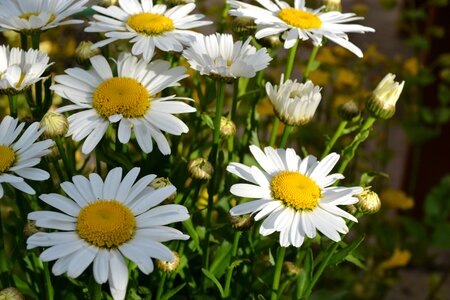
{"type": "Point", "coordinates": [295, 190]}
{"type": "Point", "coordinates": [299, 18]}
{"type": "Point", "coordinates": [121, 95]}
{"type": "Point", "coordinates": [150, 24]}
{"type": "Point", "coordinates": [28, 15]}
{"type": "Point", "coordinates": [7, 158]}
{"type": "Point", "coordinates": [106, 224]}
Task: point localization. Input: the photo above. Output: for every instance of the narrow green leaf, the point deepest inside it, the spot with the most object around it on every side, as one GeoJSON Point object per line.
{"type": "Point", "coordinates": [173, 291]}
{"type": "Point", "coordinates": [347, 251]}
{"type": "Point", "coordinates": [214, 279]}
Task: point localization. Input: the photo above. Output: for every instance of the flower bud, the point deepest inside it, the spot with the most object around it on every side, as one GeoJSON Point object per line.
{"type": "Point", "coordinates": [161, 182]}
{"type": "Point", "coordinates": [167, 266]}
{"type": "Point", "coordinates": [349, 111]}
{"type": "Point", "coordinates": [55, 125]}
{"type": "Point", "coordinates": [332, 5]}
{"type": "Point", "coordinates": [291, 268]}
{"type": "Point", "coordinates": [227, 127]}
{"type": "Point", "coordinates": [384, 97]}
{"type": "Point", "coordinates": [84, 51]}
{"type": "Point", "coordinates": [241, 223]}
{"type": "Point", "coordinates": [11, 294]}
{"type": "Point", "coordinates": [200, 168]}
{"type": "Point", "coordinates": [243, 26]}
{"type": "Point", "coordinates": [271, 41]}
{"type": "Point", "coordinates": [107, 3]}
{"type": "Point", "coordinates": [369, 202]}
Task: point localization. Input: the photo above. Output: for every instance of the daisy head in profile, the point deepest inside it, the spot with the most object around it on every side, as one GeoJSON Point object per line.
{"type": "Point", "coordinates": [20, 155]}
{"type": "Point", "coordinates": [294, 103]}
{"type": "Point", "coordinates": [28, 16]}
{"type": "Point", "coordinates": [103, 222]}
{"type": "Point", "coordinates": [300, 22]}
{"type": "Point", "coordinates": [20, 69]}
{"type": "Point", "coordinates": [147, 25]}
{"type": "Point", "coordinates": [294, 195]}
{"type": "Point", "coordinates": [218, 56]}
{"type": "Point", "coordinates": [130, 98]}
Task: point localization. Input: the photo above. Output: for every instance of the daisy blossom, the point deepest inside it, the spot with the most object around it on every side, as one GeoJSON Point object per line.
{"type": "Point", "coordinates": [101, 222]}
{"type": "Point", "coordinates": [294, 103]}
{"type": "Point", "coordinates": [130, 98]}
{"type": "Point", "coordinates": [20, 69]}
{"type": "Point", "coordinates": [147, 25]}
{"type": "Point", "coordinates": [300, 22]}
{"type": "Point", "coordinates": [18, 156]}
{"type": "Point", "coordinates": [38, 15]}
{"type": "Point", "coordinates": [294, 195]}
{"type": "Point", "coordinates": [217, 55]}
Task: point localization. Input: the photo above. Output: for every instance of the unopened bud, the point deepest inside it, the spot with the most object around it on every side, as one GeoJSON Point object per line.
{"type": "Point", "coordinates": [11, 294]}
{"type": "Point", "coordinates": [200, 168]}
{"type": "Point", "coordinates": [241, 223]}
{"type": "Point", "coordinates": [349, 111]}
{"type": "Point", "coordinates": [167, 266]}
{"type": "Point", "coordinates": [84, 51]}
{"type": "Point", "coordinates": [243, 26]}
{"type": "Point", "coordinates": [369, 202]}
{"type": "Point", "coordinates": [271, 41]}
{"type": "Point", "coordinates": [107, 3]}
{"type": "Point", "coordinates": [55, 125]}
{"type": "Point", "coordinates": [161, 182]}
{"type": "Point", "coordinates": [332, 5]}
{"type": "Point", "coordinates": [227, 127]}
{"type": "Point", "coordinates": [384, 97]}
{"type": "Point", "coordinates": [291, 268]}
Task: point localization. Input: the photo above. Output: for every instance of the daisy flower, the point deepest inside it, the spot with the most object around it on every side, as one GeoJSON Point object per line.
{"type": "Point", "coordinates": [130, 98]}
{"type": "Point", "coordinates": [147, 25]}
{"type": "Point", "coordinates": [19, 69]}
{"type": "Point", "coordinates": [294, 195]}
{"type": "Point", "coordinates": [38, 15]}
{"type": "Point", "coordinates": [294, 103]}
{"type": "Point", "coordinates": [19, 156]}
{"type": "Point", "coordinates": [300, 22]}
{"type": "Point", "coordinates": [101, 222]}
{"type": "Point", "coordinates": [217, 55]}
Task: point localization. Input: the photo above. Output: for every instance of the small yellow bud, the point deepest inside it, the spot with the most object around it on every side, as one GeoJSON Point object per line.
{"type": "Point", "coordinates": [107, 3]}
{"type": "Point", "coordinates": [55, 125]}
{"type": "Point", "coordinates": [227, 127]}
{"type": "Point", "coordinates": [241, 223]}
{"type": "Point", "coordinates": [384, 97]}
{"type": "Point", "coordinates": [167, 266]}
{"type": "Point", "coordinates": [243, 26]}
{"type": "Point", "coordinates": [84, 51]}
{"type": "Point", "coordinates": [291, 268]}
{"type": "Point", "coordinates": [369, 202]}
{"type": "Point", "coordinates": [332, 5]}
{"type": "Point", "coordinates": [11, 294]}
{"type": "Point", "coordinates": [349, 111]}
{"type": "Point", "coordinates": [200, 168]}
{"type": "Point", "coordinates": [161, 182]}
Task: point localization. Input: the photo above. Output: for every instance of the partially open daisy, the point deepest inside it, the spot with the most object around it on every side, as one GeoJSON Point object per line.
{"type": "Point", "coordinates": [19, 156]}
{"type": "Point", "coordinates": [293, 102]}
{"type": "Point", "coordinates": [294, 195]}
{"type": "Point", "coordinates": [217, 55]}
{"type": "Point", "coordinates": [19, 69]}
{"type": "Point", "coordinates": [101, 222]}
{"type": "Point", "coordinates": [147, 25]}
{"type": "Point", "coordinates": [130, 98]}
{"type": "Point", "coordinates": [38, 15]}
{"type": "Point", "coordinates": [300, 22]}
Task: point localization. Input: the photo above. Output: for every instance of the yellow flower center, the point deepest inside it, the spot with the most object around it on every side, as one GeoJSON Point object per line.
{"type": "Point", "coordinates": [7, 158]}
{"type": "Point", "coordinates": [121, 95]}
{"type": "Point", "coordinates": [28, 15]}
{"type": "Point", "coordinates": [106, 224]}
{"type": "Point", "coordinates": [300, 18]}
{"type": "Point", "coordinates": [150, 24]}
{"type": "Point", "coordinates": [295, 190]}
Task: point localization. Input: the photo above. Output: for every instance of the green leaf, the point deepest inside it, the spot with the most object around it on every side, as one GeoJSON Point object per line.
{"type": "Point", "coordinates": [221, 259]}
{"type": "Point", "coordinates": [189, 226]}
{"type": "Point", "coordinates": [271, 259]}
{"type": "Point", "coordinates": [305, 273]}
{"type": "Point", "coordinates": [237, 262]}
{"type": "Point", "coordinates": [346, 251]}
{"type": "Point", "coordinates": [173, 291]}
{"type": "Point", "coordinates": [214, 279]}
{"type": "Point", "coordinates": [437, 204]}
{"type": "Point", "coordinates": [314, 65]}
{"type": "Point", "coordinates": [208, 120]}
{"type": "Point", "coordinates": [368, 177]}
{"type": "Point", "coordinates": [354, 260]}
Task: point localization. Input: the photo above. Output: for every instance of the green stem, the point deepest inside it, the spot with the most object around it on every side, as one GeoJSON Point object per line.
{"type": "Point", "coordinates": [62, 153]}
{"type": "Point", "coordinates": [48, 282]}
{"type": "Point", "coordinates": [35, 41]}
{"type": "Point", "coordinates": [277, 275]}
{"type": "Point", "coordinates": [213, 160]}
{"type": "Point", "coordinates": [13, 105]}
{"type": "Point", "coordinates": [23, 41]}
{"type": "Point", "coordinates": [237, 235]}
{"type": "Point", "coordinates": [273, 135]}
{"type": "Point", "coordinates": [287, 130]}
{"type": "Point", "coordinates": [161, 286]}
{"type": "Point", "coordinates": [97, 291]}
{"type": "Point", "coordinates": [311, 59]}
{"type": "Point", "coordinates": [336, 136]}
{"type": "Point", "coordinates": [290, 61]}
{"type": "Point", "coordinates": [349, 152]}
{"type": "Point", "coordinates": [232, 118]}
